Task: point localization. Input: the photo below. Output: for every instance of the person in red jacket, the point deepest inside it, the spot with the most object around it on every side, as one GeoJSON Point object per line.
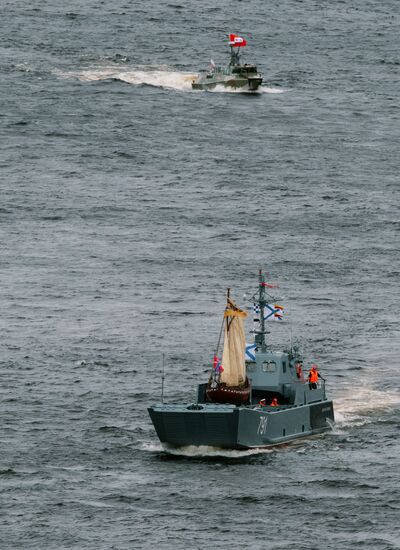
{"type": "Point", "coordinates": [274, 402]}
{"type": "Point", "coordinates": [299, 370]}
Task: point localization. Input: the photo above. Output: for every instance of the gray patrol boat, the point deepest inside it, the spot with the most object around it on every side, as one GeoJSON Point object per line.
{"type": "Point", "coordinates": [242, 77]}
{"type": "Point", "coordinates": [260, 402]}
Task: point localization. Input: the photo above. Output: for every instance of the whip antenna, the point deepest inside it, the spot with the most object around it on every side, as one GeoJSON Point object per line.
{"type": "Point", "coordinates": [162, 377]}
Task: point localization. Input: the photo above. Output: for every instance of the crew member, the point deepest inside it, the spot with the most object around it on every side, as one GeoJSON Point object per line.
{"type": "Point", "coordinates": [313, 376]}
{"type": "Point", "coordinates": [274, 402]}
{"type": "Point", "coordinates": [262, 402]}
{"type": "Point", "coordinates": [299, 370]}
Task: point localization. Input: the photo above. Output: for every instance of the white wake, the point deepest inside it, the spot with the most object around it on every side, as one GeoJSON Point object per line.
{"type": "Point", "coordinates": [156, 76]}
{"type": "Point", "coordinates": [205, 451]}
{"type": "Point", "coordinates": [359, 406]}
{"type": "Point", "coordinates": [161, 77]}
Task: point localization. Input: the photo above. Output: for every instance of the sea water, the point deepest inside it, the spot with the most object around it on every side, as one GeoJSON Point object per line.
{"type": "Point", "coordinates": [129, 203]}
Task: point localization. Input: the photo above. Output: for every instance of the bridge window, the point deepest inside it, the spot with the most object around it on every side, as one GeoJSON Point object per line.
{"type": "Point", "coordinates": [269, 366]}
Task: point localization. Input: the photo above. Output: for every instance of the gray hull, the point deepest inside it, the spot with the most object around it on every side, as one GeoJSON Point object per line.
{"type": "Point", "coordinates": [228, 426]}
{"type": "Point", "coordinates": [245, 84]}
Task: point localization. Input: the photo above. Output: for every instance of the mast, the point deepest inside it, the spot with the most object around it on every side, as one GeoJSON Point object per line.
{"type": "Point", "coordinates": [228, 295]}
{"type": "Point", "coordinates": [260, 336]}
{"type": "Point", "coordinates": [235, 57]}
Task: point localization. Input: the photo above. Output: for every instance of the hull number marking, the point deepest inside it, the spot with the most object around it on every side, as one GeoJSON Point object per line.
{"type": "Point", "coordinates": [262, 427]}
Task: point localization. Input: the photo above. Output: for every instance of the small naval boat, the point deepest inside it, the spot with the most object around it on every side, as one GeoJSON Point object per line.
{"type": "Point", "coordinates": [255, 397]}
{"type": "Point", "coordinates": [242, 77]}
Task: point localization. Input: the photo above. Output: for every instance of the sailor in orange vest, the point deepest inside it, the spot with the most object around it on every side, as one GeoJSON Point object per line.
{"type": "Point", "coordinates": [313, 376]}
{"type": "Point", "coordinates": [274, 402]}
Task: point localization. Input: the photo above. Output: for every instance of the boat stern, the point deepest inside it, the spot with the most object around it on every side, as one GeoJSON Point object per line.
{"type": "Point", "coordinates": [196, 424]}
{"type": "Point", "coordinates": [254, 82]}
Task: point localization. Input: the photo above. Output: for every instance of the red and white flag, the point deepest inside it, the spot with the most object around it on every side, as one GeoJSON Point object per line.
{"type": "Point", "coordinates": [236, 41]}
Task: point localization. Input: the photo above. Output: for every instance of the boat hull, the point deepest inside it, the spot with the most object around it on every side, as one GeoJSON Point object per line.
{"type": "Point", "coordinates": [241, 84]}
{"type": "Point", "coordinates": [232, 427]}
{"type": "Point", "coordinates": [223, 394]}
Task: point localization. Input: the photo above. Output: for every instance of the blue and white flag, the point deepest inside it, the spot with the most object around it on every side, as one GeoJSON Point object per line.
{"type": "Point", "coordinates": [272, 312]}
{"type": "Point", "coordinates": [250, 353]}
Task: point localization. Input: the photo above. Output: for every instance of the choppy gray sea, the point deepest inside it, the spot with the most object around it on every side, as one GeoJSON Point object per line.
{"type": "Point", "coordinates": [129, 203]}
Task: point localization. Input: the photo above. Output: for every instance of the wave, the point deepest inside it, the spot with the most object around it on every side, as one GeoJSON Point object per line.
{"type": "Point", "coordinates": [8, 472]}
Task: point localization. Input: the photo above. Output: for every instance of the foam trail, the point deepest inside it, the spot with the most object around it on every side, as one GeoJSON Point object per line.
{"type": "Point", "coordinates": [263, 90]}
{"type": "Point", "coordinates": [152, 447]}
{"type": "Point", "coordinates": [161, 77]}
{"type": "Point", "coordinates": [158, 77]}
{"type": "Point", "coordinates": [205, 451]}
{"type": "Point", "coordinates": [271, 90]}
{"type": "Point", "coordinates": [220, 89]}
{"type": "Point", "coordinates": [356, 408]}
